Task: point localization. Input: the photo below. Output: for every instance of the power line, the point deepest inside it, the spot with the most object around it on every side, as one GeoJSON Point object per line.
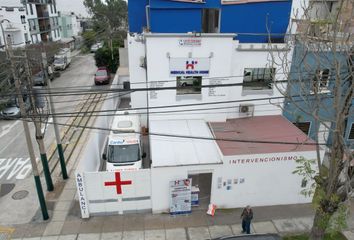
{"type": "Point", "coordinates": [181, 105]}
{"type": "Point", "coordinates": [193, 137]}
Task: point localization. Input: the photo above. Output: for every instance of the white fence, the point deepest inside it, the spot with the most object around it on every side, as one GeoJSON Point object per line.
{"type": "Point", "coordinates": [108, 193]}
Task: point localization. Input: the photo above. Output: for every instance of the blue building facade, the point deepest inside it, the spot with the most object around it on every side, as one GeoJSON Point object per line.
{"type": "Point", "coordinates": [252, 21]}
{"type": "Point", "coordinates": [311, 72]}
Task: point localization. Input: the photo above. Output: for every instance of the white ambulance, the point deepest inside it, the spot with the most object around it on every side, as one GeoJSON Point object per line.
{"type": "Point", "coordinates": [124, 147]}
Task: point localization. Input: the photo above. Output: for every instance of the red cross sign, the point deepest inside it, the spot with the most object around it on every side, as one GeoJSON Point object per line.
{"type": "Point", "coordinates": [118, 183]}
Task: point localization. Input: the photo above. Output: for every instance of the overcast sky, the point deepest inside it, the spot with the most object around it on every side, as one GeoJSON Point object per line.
{"type": "Point", "coordinates": [75, 6]}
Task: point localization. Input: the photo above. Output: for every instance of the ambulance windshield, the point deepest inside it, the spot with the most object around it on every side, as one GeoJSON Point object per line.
{"type": "Point", "coordinates": [123, 153]}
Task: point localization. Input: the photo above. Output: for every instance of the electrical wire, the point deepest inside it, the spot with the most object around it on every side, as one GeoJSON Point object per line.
{"type": "Point", "coordinates": [193, 137]}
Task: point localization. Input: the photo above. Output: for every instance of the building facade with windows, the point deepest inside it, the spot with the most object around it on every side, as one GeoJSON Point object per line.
{"type": "Point", "coordinates": [206, 81]}
{"type": "Point", "coordinates": [69, 25]}
{"type": "Point", "coordinates": [315, 68]}
{"type": "Point", "coordinates": [32, 21]}
{"type": "Point", "coordinates": [188, 46]}
{"type": "Point", "coordinates": [17, 29]}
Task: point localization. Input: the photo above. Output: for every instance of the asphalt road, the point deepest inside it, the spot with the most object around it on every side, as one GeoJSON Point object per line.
{"type": "Point", "coordinates": [14, 157]}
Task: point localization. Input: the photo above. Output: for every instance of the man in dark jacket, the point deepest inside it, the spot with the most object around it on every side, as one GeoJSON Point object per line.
{"type": "Point", "coordinates": [247, 216]}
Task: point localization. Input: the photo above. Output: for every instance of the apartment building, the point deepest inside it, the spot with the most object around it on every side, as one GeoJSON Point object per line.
{"type": "Point", "coordinates": [29, 21]}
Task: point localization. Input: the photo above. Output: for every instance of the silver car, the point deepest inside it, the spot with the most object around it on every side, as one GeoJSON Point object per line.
{"type": "Point", "coordinates": [12, 109]}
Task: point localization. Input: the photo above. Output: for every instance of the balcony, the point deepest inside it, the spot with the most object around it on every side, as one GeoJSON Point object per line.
{"type": "Point", "coordinates": [42, 14]}
{"type": "Point", "coordinates": [34, 29]}
{"type": "Point", "coordinates": [45, 28]}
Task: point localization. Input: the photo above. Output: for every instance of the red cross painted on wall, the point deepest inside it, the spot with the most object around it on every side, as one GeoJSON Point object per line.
{"type": "Point", "coordinates": [118, 183]}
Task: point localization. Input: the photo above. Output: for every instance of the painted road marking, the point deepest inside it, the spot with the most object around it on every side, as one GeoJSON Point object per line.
{"type": "Point", "coordinates": [13, 139]}
{"type": "Point", "coordinates": [45, 127]}
{"type": "Point", "coordinates": [7, 128]}
{"type": "Point", "coordinates": [14, 168]}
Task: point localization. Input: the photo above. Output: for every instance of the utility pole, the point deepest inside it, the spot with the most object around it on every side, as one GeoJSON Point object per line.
{"type": "Point", "coordinates": [37, 179]}
{"type": "Point", "coordinates": [55, 123]}
{"type": "Point", "coordinates": [39, 135]}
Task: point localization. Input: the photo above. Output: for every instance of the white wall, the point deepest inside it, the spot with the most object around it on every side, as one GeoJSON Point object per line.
{"type": "Point", "coordinates": [90, 159]}
{"type": "Point", "coordinates": [137, 74]}
{"type": "Point", "coordinates": [101, 199]}
{"type": "Point", "coordinates": [265, 183]}
{"type": "Point", "coordinates": [227, 64]}
{"type": "Point", "coordinates": [17, 37]}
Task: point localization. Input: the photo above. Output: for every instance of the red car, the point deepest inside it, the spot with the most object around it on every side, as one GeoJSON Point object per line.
{"type": "Point", "coordinates": [102, 76]}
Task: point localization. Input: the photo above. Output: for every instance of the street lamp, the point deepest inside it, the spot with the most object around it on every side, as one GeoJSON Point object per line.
{"type": "Point", "coordinates": [9, 53]}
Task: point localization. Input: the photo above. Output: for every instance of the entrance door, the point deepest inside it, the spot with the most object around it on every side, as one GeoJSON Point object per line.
{"type": "Point", "coordinates": [203, 182]}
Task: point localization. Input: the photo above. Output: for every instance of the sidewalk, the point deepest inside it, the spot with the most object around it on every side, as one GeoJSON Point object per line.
{"type": "Point", "coordinates": [65, 222]}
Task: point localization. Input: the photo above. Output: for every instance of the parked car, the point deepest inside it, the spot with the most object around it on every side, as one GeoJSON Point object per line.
{"type": "Point", "coordinates": [94, 48]}
{"type": "Point", "coordinates": [39, 79]}
{"type": "Point", "coordinates": [12, 108]}
{"type": "Point", "coordinates": [267, 236]}
{"type": "Point", "coordinates": [102, 76]}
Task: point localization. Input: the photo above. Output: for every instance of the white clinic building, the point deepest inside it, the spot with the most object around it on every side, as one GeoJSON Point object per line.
{"type": "Point", "coordinates": [211, 100]}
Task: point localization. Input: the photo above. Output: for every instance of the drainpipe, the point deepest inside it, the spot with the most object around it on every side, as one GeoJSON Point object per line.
{"type": "Point", "coordinates": [147, 12]}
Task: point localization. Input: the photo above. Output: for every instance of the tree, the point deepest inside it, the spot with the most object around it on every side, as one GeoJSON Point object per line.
{"type": "Point", "coordinates": [321, 88]}
{"type": "Point", "coordinates": [109, 18]}
{"type": "Point", "coordinates": [103, 58]}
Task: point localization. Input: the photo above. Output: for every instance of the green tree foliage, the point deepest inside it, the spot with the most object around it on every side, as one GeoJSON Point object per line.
{"type": "Point", "coordinates": [109, 18]}
{"type": "Point", "coordinates": [89, 38]}
{"type": "Point", "coordinates": [110, 25]}
{"type": "Point", "coordinates": [103, 57]}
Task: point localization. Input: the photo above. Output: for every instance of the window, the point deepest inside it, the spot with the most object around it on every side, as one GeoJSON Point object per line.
{"type": "Point", "coordinates": [26, 37]}
{"type": "Point", "coordinates": [34, 38]}
{"type": "Point", "coordinates": [320, 81]}
{"type": "Point", "coordinates": [51, 8]}
{"type": "Point", "coordinates": [32, 25]}
{"type": "Point", "coordinates": [258, 78]}
{"type": "Point", "coordinates": [23, 19]}
{"type": "Point", "coordinates": [303, 126]}
{"type": "Point", "coordinates": [31, 9]}
{"type": "Point", "coordinates": [9, 9]}
{"type": "Point", "coordinates": [55, 33]}
{"type": "Point", "coordinates": [55, 8]}
{"type": "Point", "coordinates": [189, 85]}
{"type": "Point", "coordinates": [351, 133]}
{"type": "Point", "coordinates": [58, 33]}
{"type": "Point", "coordinates": [210, 20]}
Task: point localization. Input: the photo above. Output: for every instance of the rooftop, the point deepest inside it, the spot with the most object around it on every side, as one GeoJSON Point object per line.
{"type": "Point", "coordinates": [260, 128]}
{"type": "Point", "coordinates": [177, 151]}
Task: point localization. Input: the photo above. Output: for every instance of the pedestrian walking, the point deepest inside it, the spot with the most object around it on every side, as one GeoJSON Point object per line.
{"type": "Point", "coordinates": [247, 216]}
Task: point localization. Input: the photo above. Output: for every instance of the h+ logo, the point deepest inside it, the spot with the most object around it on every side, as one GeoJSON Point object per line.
{"type": "Point", "coordinates": [190, 65]}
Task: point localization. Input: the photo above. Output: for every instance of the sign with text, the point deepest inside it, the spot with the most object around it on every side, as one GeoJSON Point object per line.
{"type": "Point", "coordinates": [189, 67]}
{"type": "Point", "coordinates": [190, 42]}
{"type": "Point", "coordinates": [81, 192]}
{"type": "Point", "coordinates": [181, 196]}
{"type": "Point", "coordinates": [264, 159]}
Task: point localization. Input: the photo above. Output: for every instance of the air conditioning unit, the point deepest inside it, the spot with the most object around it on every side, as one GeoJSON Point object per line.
{"type": "Point", "coordinates": [246, 109]}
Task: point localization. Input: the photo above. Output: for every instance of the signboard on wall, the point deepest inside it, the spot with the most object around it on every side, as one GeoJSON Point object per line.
{"type": "Point", "coordinates": [181, 196]}
{"type": "Point", "coordinates": [81, 192]}
{"type": "Point", "coordinates": [189, 67]}
{"type": "Point", "coordinates": [190, 42]}
{"type": "Point", "coordinates": [114, 192]}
